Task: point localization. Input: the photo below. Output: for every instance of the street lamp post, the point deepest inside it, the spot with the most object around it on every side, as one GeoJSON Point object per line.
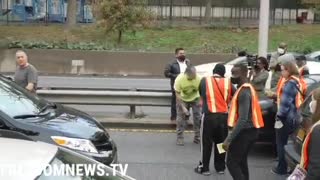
{"type": "Point", "coordinates": [264, 27]}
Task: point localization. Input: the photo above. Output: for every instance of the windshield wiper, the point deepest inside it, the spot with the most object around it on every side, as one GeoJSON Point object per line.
{"type": "Point", "coordinates": [45, 107]}
{"type": "Point", "coordinates": [26, 116]}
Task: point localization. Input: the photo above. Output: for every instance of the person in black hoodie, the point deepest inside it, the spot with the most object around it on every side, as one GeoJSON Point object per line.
{"type": "Point", "coordinates": [172, 70]}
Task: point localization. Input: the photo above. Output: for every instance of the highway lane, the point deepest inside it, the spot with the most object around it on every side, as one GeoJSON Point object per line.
{"type": "Point", "coordinates": [103, 82]}
{"type": "Point", "coordinates": [154, 155]}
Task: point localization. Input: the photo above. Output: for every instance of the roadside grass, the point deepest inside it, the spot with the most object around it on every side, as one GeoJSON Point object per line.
{"type": "Point", "coordinates": [196, 40]}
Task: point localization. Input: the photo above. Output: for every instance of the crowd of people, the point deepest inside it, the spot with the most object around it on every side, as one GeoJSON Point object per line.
{"type": "Point", "coordinates": [226, 111]}
{"type": "Point", "coordinates": [231, 115]}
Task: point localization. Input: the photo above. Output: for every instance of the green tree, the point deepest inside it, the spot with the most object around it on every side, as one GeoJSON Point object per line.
{"type": "Point", "coordinates": [124, 15]}
{"type": "Point", "coordinates": [71, 14]}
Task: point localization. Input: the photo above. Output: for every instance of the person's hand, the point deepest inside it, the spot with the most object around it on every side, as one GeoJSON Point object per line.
{"type": "Point", "coordinates": [185, 111]}
{"type": "Point", "coordinates": [270, 94]}
{"type": "Point", "coordinates": [225, 145]}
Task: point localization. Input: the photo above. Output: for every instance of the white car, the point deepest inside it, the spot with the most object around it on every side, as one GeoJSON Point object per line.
{"type": "Point", "coordinates": [315, 56]}
{"type": "Point", "coordinates": [204, 70]}
{"type": "Point", "coordinates": [22, 158]}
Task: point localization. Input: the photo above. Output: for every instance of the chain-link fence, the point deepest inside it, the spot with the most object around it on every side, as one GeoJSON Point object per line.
{"type": "Point", "coordinates": [228, 12]}
{"type": "Point", "coordinates": [239, 13]}
{"type": "Point", "coordinates": [38, 11]}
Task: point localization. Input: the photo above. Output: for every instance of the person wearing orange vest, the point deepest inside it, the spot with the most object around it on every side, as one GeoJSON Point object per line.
{"type": "Point", "coordinates": [310, 156]}
{"type": "Point", "coordinates": [289, 99]}
{"type": "Point", "coordinates": [216, 92]}
{"type": "Point", "coordinates": [302, 65]}
{"type": "Point", "coordinates": [245, 118]}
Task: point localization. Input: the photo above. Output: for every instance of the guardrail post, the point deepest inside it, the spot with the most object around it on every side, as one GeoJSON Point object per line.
{"type": "Point", "coordinates": [132, 114]}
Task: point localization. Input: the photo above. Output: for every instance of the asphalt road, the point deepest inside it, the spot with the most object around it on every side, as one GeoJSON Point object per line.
{"type": "Point", "coordinates": [154, 155]}
{"type": "Point", "coordinates": [103, 82]}
{"type": "Point", "coordinates": [111, 83]}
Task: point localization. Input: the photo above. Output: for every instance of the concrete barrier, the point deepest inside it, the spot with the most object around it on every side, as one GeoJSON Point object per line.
{"type": "Point", "coordinates": [101, 62]}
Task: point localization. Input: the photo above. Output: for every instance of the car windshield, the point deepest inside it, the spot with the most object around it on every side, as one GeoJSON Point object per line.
{"type": "Point", "coordinates": [65, 158]}
{"type": "Point", "coordinates": [15, 101]}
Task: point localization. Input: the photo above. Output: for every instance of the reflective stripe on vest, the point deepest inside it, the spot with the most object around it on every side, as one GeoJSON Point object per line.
{"type": "Point", "coordinates": [257, 118]}
{"type": "Point", "coordinates": [301, 71]}
{"type": "Point", "coordinates": [218, 100]}
{"type": "Point", "coordinates": [299, 97]}
{"type": "Point", "coordinates": [304, 163]}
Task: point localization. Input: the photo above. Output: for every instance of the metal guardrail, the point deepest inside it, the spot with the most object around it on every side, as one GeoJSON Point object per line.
{"type": "Point", "coordinates": [104, 89]}
{"type": "Point", "coordinates": [120, 98]}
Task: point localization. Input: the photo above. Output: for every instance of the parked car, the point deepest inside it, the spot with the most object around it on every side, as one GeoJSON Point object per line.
{"type": "Point", "coordinates": [45, 121]}
{"type": "Point", "coordinates": [25, 153]}
{"type": "Point", "coordinates": [314, 56]}
{"type": "Point", "coordinates": [206, 69]}
{"type": "Point", "coordinates": [293, 149]}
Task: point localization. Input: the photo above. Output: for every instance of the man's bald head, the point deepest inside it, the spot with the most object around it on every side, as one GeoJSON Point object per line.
{"type": "Point", "coordinates": [191, 72]}
{"type": "Point", "coordinates": [22, 58]}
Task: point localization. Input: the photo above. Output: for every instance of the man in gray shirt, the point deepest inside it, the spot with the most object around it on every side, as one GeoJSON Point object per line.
{"type": "Point", "coordinates": [26, 74]}
{"type": "Point", "coordinates": [245, 120]}
{"type": "Point", "coordinates": [277, 58]}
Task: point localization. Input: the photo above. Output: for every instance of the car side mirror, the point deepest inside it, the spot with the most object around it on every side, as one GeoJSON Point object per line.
{"type": "Point", "coordinates": [10, 78]}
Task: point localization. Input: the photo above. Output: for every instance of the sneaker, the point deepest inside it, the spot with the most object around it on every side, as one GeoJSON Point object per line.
{"type": "Point", "coordinates": [199, 170]}
{"type": "Point", "coordinates": [196, 140]}
{"type": "Point", "coordinates": [180, 142]}
{"type": "Point", "coordinates": [275, 171]}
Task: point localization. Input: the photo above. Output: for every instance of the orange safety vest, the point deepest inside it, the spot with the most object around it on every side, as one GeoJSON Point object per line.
{"type": "Point", "coordinates": [305, 149]}
{"type": "Point", "coordinates": [301, 70]}
{"type": "Point", "coordinates": [218, 92]}
{"type": "Point", "coordinates": [302, 89]}
{"type": "Point", "coordinates": [257, 118]}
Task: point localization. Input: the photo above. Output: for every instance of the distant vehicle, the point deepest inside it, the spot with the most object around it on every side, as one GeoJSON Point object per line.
{"type": "Point", "coordinates": [22, 152]}
{"type": "Point", "coordinates": [293, 149]}
{"type": "Point", "coordinates": [206, 69]}
{"type": "Point", "coordinates": [315, 56]}
{"type": "Point", "coordinates": [45, 121]}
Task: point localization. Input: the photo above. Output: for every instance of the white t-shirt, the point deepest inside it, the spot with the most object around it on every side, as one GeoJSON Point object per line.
{"type": "Point", "coordinates": [182, 66]}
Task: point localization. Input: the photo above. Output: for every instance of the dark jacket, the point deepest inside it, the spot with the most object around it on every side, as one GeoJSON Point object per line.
{"type": "Point", "coordinates": [172, 70]}
{"type": "Point", "coordinates": [288, 112]}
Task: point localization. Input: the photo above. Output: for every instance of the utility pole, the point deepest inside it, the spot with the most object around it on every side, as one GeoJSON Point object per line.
{"type": "Point", "coordinates": [264, 27]}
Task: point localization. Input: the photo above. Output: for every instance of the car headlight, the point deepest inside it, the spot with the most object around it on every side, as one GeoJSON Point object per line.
{"type": "Point", "coordinates": [74, 143]}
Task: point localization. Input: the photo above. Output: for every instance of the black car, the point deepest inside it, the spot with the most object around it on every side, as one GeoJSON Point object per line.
{"type": "Point", "coordinates": [269, 110]}
{"type": "Point", "coordinates": [53, 123]}
{"type": "Point", "coordinates": [293, 149]}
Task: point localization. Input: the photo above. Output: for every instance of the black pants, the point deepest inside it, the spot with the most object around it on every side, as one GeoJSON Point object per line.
{"type": "Point", "coordinates": [173, 105]}
{"type": "Point", "coordinates": [314, 155]}
{"type": "Point", "coordinates": [237, 157]}
{"type": "Point", "coordinates": [282, 136]}
{"type": "Point", "coordinates": [213, 130]}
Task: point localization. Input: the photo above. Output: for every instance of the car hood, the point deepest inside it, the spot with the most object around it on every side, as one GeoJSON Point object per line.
{"type": "Point", "coordinates": [204, 70]}
{"type": "Point", "coordinates": [73, 123]}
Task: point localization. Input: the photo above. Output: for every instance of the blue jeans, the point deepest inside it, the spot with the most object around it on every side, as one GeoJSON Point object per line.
{"type": "Point", "coordinates": [282, 136]}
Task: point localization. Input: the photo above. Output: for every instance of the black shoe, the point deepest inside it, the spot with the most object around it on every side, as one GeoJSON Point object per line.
{"type": "Point", "coordinates": [199, 170]}
{"type": "Point", "coordinates": [196, 140]}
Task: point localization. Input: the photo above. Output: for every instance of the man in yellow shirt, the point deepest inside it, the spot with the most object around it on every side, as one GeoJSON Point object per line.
{"type": "Point", "coordinates": [187, 93]}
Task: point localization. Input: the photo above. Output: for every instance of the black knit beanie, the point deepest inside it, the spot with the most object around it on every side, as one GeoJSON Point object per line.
{"type": "Point", "coordinates": [219, 69]}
